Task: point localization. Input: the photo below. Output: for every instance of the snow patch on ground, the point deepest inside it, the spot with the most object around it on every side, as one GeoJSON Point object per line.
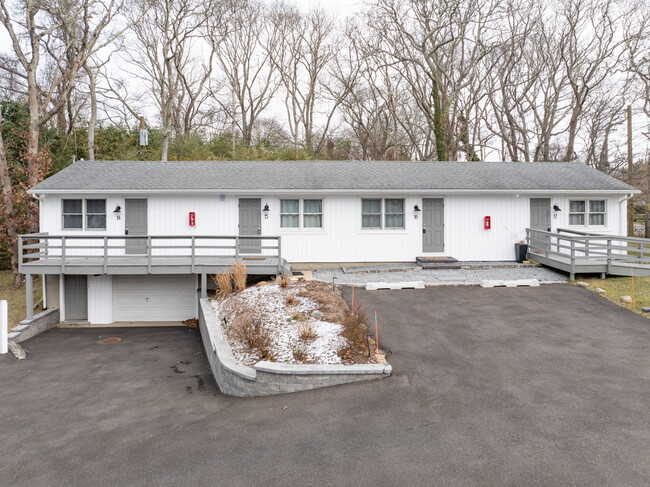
{"type": "Point", "coordinates": [281, 320]}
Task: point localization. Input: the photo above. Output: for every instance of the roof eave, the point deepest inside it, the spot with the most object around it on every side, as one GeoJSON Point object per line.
{"type": "Point", "coordinates": [35, 191]}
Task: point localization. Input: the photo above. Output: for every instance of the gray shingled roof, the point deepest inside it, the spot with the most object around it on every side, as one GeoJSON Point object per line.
{"type": "Point", "coordinates": [115, 176]}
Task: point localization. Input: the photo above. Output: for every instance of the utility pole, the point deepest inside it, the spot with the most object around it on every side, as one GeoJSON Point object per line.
{"type": "Point", "coordinates": [630, 170]}
{"type": "Point", "coordinates": [144, 138]}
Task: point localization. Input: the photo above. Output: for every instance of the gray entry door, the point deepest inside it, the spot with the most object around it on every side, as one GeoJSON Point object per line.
{"type": "Point", "coordinates": [540, 219]}
{"type": "Point", "coordinates": [136, 224]}
{"type": "Point", "coordinates": [433, 225]}
{"type": "Point", "coordinates": [76, 298]}
{"type": "Point", "coordinates": [250, 223]}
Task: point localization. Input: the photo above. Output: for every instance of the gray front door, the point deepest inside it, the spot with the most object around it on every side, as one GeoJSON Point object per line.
{"type": "Point", "coordinates": [250, 223]}
{"type": "Point", "coordinates": [136, 224]}
{"type": "Point", "coordinates": [540, 219]}
{"type": "Point", "coordinates": [76, 298]}
{"type": "Point", "coordinates": [433, 225]}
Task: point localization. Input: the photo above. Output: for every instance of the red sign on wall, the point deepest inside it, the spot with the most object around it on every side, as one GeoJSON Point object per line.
{"type": "Point", "coordinates": [192, 219]}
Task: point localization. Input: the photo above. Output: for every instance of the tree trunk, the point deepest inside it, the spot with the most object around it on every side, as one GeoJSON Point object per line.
{"type": "Point", "coordinates": [439, 125]}
{"type": "Point", "coordinates": [92, 84]}
{"type": "Point", "coordinates": [9, 212]}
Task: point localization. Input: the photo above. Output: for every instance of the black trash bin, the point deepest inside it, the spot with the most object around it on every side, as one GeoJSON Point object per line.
{"type": "Point", "coordinates": [521, 250]}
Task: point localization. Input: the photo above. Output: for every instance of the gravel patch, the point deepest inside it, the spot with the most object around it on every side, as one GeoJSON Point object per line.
{"type": "Point", "coordinates": [465, 276]}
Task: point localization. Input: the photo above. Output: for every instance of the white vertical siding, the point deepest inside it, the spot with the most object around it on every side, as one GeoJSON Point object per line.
{"type": "Point", "coordinates": [342, 239]}
{"type": "Point", "coordinates": [100, 300]}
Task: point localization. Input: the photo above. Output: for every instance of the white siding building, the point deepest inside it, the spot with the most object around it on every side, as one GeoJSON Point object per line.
{"type": "Point", "coordinates": [323, 213]}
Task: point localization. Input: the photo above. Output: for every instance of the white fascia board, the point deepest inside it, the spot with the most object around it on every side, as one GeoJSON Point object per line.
{"type": "Point", "coordinates": [328, 191]}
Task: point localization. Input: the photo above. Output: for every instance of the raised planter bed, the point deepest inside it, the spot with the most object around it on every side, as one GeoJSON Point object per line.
{"type": "Point", "coordinates": [267, 378]}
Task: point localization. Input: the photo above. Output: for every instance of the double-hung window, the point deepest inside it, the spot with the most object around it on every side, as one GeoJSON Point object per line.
{"type": "Point", "coordinates": [73, 214]}
{"type": "Point", "coordinates": [312, 213]}
{"type": "Point", "coordinates": [307, 213]}
{"type": "Point", "coordinates": [587, 212]}
{"type": "Point", "coordinates": [78, 211]}
{"type": "Point", "coordinates": [380, 213]}
{"type": "Point", "coordinates": [96, 214]}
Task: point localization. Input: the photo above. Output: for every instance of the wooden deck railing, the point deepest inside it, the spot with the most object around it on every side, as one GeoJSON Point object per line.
{"type": "Point", "coordinates": [109, 250]}
{"type": "Point", "coordinates": [582, 248]}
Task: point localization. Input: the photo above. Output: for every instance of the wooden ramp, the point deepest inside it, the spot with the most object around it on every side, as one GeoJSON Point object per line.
{"type": "Point", "coordinates": [587, 253]}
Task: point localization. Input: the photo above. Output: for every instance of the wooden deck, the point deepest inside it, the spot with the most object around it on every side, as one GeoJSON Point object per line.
{"type": "Point", "coordinates": [581, 253]}
{"type": "Point", "coordinates": [46, 254]}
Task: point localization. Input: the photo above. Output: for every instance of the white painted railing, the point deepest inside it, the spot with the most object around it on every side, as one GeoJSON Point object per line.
{"type": "Point", "coordinates": [112, 250]}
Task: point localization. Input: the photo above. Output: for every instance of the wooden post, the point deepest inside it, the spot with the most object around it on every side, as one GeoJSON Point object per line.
{"type": "Point", "coordinates": [193, 243]}
{"type": "Point", "coordinates": [4, 326]}
{"type": "Point", "coordinates": [29, 296]}
{"type": "Point", "coordinates": [204, 286]}
{"type": "Point", "coordinates": [105, 255]}
{"type": "Point", "coordinates": [630, 170]}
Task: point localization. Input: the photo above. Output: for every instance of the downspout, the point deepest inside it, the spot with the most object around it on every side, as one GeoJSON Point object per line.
{"type": "Point", "coordinates": [623, 200]}
{"type": "Point", "coordinates": [39, 197]}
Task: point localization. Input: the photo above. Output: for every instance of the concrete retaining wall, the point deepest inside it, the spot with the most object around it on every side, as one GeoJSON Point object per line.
{"type": "Point", "coordinates": [38, 324]}
{"type": "Point", "coordinates": [268, 378]}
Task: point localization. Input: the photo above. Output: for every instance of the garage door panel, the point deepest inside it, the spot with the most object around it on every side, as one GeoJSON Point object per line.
{"type": "Point", "coordinates": [154, 298]}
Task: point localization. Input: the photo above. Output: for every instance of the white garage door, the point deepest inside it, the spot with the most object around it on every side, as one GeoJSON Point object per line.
{"type": "Point", "coordinates": [154, 298]}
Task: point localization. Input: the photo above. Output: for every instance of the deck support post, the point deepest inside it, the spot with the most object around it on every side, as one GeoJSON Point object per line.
{"type": "Point", "coordinates": [29, 296]}
{"type": "Point", "coordinates": [572, 276]}
{"type": "Point", "coordinates": [204, 286]}
{"type": "Point", "coordinates": [603, 275]}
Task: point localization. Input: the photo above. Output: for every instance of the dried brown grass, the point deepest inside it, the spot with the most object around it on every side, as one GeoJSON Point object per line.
{"type": "Point", "coordinates": [249, 329]}
{"type": "Point", "coordinates": [282, 281]}
{"type": "Point", "coordinates": [291, 299]}
{"type": "Point", "coordinates": [299, 352]}
{"type": "Point", "coordinates": [331, 304]}
{"type": "Point", "coordinates": [239, 275]}
{"type": "Point", "coordinates": [355, 331]}
{"type": "Point", "coordinates": [223, 282]}
{"type": "Point", "coordinates": [306, 331]}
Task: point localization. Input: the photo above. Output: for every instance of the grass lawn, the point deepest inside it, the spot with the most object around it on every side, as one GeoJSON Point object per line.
{"type": "Point", "coordinates": [16, 297]}
{"type": "Point", "coordinates": [622, 286]}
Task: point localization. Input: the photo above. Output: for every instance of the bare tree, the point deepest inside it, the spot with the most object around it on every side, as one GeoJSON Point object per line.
{"type": "Point", "coordinates": [166, 57]}
{"type": "Point", "coordinates": [72, 32]}
{"type": "Point", "coordinates": [244, 59]}
{"type": "Point", "coordinates": [307, 44]}
{"type": "Point", "coordinates": [437, 47]}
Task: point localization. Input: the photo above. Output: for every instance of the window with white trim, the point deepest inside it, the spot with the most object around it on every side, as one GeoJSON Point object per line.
{"type": "Point", "coordinates": [380, 213]}
{"type": "Point", "coordinates": [91, 211]}
{"type": "Point", "coordinates": [73, 214]}
{"type": "Point", "coordinates": [394, 209]}
{"type": "Point", "coordinates": [289, 213]}
{"type": "Point", "coordinates": [96, 214]}
{"type": "Point", "coordinates": [371, 213]}
{"type": "Point", "coordinates": [295, 213]}
{"type": "Point", "coordinates": [587, 212]}
{"type": "Point", "coordinates": [312, 213]}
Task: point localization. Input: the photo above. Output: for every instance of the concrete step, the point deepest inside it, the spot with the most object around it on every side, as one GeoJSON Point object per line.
{"type": "Point", "coordinates": [440, 266]}
{"type": "Point", "coordinates": [435, 260]}
{"type": "Point", "coordinates": [13, 334]}
{"type": "Point", "coordinates": [20, 328]}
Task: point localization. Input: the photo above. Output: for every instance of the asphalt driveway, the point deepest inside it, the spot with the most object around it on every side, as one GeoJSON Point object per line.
{"type": "Point", "coordinates": [533, 386]}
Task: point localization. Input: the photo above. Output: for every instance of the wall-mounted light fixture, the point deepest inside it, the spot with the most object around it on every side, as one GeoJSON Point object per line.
{"type": "Point", "coordinates": [556, 208]}
{"type": "Point", "coordinates": [117, 212]}
{"type": "Point", "coordinates": [416, 211]}
{"type": "Point", "coordinates": [266, 211]}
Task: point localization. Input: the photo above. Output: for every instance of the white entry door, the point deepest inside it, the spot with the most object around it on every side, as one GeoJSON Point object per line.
{"type": "Point", "coordinates": [154, 298]}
